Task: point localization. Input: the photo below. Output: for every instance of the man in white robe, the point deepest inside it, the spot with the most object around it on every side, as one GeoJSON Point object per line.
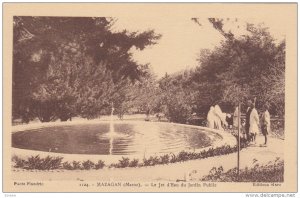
{"type": "Point", "coordinates": [211, 118]}
{"type": "Point", "coordinates": [265, 123]}
{"type": "Point", "coordinates": [220, 117]}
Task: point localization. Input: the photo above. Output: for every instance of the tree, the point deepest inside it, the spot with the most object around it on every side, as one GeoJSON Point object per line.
{"type": "Point", "coordinates": [56, 58]}
{"type": "Point", "coordinates": [243, 67]}
{"type": "Point", "coordinates": [177, 97]}
{"type": "Point", "coordinates": [240, 68]}
{"type": "Point", "coordinates": [141, 95]}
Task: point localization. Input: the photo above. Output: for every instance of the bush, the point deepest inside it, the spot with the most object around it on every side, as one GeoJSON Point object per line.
{"type": "Point", "coordinates": [151, 161]}
{"type": "Point", "coordinates": [67, 166]}
{"type": "Point", "coordinates": [179, 111]}
{"type": "Point", "coordinates": [35, 162]}
{"type": "Point", "coordinates": [134, 163]}
{"type": "Point", "coordinates": [50, 163]}
{"type": "Point", "coordinates": [164, 159]}
{"type": "Point", "coordinates": [100, 164]}
{"type": "Point", "coordinates": [76, 165]}
{"type": "Point", "coordinates": [113, 165]}
{"type": "Point", "coordinates": [214, 174]}
{"type": "Point", "coordinates": [124, 162]}
{"type": "Point", "coordinates": [277, 127]}
{"type": "Point", "coordinates": [272, 172]}
{"type": "Point", "coordinates": [173, 158]}
{"type": "Point", "coordinates": [146, 162]}
{"type": "Point", "coordinates": [183, 156]}
{"type": "Point", "coordinates": [18, 162]}
{"type": "Point", "coordinates": [87, 165]}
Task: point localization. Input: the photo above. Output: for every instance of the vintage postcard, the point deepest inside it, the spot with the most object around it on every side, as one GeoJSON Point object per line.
{"type": "Point", "coordinates": [150, 97]}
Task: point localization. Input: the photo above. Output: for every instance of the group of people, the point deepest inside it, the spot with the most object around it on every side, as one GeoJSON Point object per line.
{"type": "Point", "coordinates": [254, 123]}
{"type": "Point", "coordinates": [216, 119]}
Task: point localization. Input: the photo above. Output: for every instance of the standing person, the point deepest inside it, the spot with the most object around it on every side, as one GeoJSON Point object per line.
{"type": "Point", "coordinates": [147, 114]}
{"type": "Point", "coordinates": [211, 118]}
{"type": "Point", "coordinates": [224, 121]}
{"type": "Point", "coordinates": [220, 118]}
{"type": "Point", "coordinates": [265, 122]}
{"type": "Point", "coordinates": [254, 123]}
{"type": "Point", "coordinates": [218, 112]}
{"type": "Point", "coordinates": [229, 120]}
{"type": "Point", "coordinates": [236, 122]}
{"type": "Point", "coordinates": [235, 117]}
{"type": "Point", "coordinates": [247, 124]}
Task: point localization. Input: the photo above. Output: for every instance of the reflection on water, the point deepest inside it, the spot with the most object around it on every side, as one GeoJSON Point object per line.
{"type": "Point", "coordinates": [139, 138]}
{"type": "Point", "coordinates": [111, 145]}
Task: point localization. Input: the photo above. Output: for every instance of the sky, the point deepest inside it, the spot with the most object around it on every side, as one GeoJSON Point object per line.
{"type": "Point", "coordinates": [182, 39]}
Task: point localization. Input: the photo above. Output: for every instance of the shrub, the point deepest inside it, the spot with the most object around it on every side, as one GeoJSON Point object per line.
{"type": "Point", "coordinates": [214, 174]}
{"type": "Point", "coordinates": [151, 161]}
{"type": "Point", "coordinates": [113, 165]}
{"type": "Point", "coordinates": [155, 160]}
{"type": "Point", "coordinates": [34, 162]}
{"type": "Point", "coordinates": [146, 162]}
{"type": "Point", "coordinates": [124, 162]}
{"type": "Point", "coordinates": [100, 164]}
{"type": "Point", "coordinates": [67, 166]}
{"type": "Point", "coordinates": [71, 166]}
{"type": "Point", "coordinates": [19, 163]}
{"type": "Point", "coordinates": [76, 165]}
{"type": "Point", "coordinates": [193, 155]}
{"type": "Point", "coordinates": [87, 165]}
{"type": "Point", "coordinates": [272, 172]}
{"type": "Point", "coordinates": [277, 127]}
{"type": "Point", "coordinates": [134, 163]}
{"type": "Point", "coordinates": [183, 156]}
{"type": "Point", "coordinates": [164, 159]}
{"type": "Point", "coordinates": [50, 163]}
{"type": "Point", "coordinates": [173, 158]}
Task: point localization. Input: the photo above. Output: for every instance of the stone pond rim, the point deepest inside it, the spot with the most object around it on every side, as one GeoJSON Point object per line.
{"type": "Point", "coordinates": [174, 138]}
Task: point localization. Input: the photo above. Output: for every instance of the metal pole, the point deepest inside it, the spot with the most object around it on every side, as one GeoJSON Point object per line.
{"type": "Point", "coordinates": [239, 144]}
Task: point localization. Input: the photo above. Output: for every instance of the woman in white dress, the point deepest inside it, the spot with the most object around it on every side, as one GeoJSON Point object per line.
{"type": "Point", "coordinates": [254, 124]}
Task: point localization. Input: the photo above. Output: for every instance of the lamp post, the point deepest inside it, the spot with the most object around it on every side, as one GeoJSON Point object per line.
{"type": "Point", "coordinates": [239, 140]}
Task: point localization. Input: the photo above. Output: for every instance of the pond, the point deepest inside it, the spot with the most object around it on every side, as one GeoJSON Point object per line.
{"type": "Point", "coordinates": [126, 139]}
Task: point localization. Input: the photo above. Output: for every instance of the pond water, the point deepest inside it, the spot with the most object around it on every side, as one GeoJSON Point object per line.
{"type": "Point", "coordinates": [127, 138]}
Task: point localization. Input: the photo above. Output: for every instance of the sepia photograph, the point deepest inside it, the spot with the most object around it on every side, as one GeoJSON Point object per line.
{"type": "Point", "coordinates": [165, 100]}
